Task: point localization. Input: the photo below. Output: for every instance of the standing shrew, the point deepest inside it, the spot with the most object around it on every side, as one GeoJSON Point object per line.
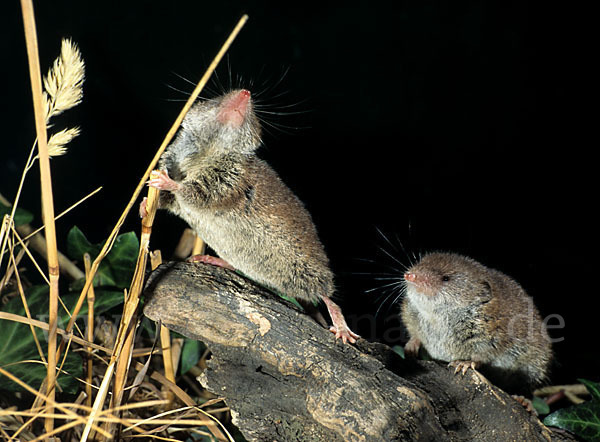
{"type": "Point", "coordinates": [211, 177]}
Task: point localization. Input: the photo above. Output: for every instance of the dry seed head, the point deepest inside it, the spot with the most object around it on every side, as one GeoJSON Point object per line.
{"type": "Point", "coordinates": [64, 81]}
{"type": "Point", "coordinates": [57, 142]}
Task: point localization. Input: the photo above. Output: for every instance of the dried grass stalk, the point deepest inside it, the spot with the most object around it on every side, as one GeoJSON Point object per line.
{"type": "Point", "coordinates": [62, 407]}
{"type": "Point", "coordinates": [91, 297]}
{"type": "Point", "coordinates": [47, 198]}
{"type": "Point", "coordinates": [44, 326]}
{"type": "Point", "coordinates": [199, 246]}
{"type": "Point", "coordinates": [38, 242]}
{"type": "Point", "coordinates": [26, 306]}
{"type": "Point", "coordinates": [155, 259]}
{"type": "Point", "coordinates": [165, 340]}
{"type": "Point", "coordinates": [9, 271]}
{"type": "Point", "coordinates": [126, 334]}
{"type": "Point", "coordinates": [216, 428]}
{"type": "Point", "coordinates": [63, 91]}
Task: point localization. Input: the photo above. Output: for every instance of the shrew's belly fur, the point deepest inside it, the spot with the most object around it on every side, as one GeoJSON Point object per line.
{"type": "Point", "coordinates": [253, 247]}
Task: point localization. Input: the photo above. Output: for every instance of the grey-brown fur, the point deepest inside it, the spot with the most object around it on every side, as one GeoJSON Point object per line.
{"type": "Point", "coordinates": [478, 314]}
{"type": "Point", "coordinates": [241, 208]}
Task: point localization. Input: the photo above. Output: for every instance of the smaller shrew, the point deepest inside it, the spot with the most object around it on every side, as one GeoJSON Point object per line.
{"type": "Point", "coordinates": [474, 317]}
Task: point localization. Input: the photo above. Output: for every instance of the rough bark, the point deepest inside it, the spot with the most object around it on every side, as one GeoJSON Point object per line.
{"type": "Point", "coordinates": [285, 378]}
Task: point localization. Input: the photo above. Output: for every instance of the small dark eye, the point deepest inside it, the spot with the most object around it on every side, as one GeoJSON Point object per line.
{"type": "Point", "coordinates": [445, 278]}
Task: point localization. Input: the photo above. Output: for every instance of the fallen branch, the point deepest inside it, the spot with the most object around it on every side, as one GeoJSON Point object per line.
{"type": "Point", "coordinates": [285, 378]}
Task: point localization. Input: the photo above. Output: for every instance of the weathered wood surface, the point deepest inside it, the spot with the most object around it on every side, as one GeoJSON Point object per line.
{"type": "Point", "coordinates": [286, 379]}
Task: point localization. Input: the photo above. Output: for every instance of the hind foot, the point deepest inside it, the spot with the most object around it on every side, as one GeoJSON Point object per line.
{"type": "Point", "coordinates": [526, 403]}
{"type": "Point", "coordinates": [339, 327]}
{"type": "Point", "coordinates": [344, 333]}
{"type": "Point", "coordinates": [212, 260]}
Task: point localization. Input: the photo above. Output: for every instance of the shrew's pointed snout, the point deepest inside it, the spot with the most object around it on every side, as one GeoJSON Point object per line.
{"type": "Point", "coordinates": [410, 277]}
{"type": "Point", "coordinates": [234, 108]}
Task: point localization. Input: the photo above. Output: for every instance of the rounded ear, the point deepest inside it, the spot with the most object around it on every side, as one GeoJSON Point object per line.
{"type": "Point", "coordinates": [486, 290]}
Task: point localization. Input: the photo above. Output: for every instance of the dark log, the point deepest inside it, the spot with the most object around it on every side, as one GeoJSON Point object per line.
{"type": "Point", "coordinates": [286, 379]}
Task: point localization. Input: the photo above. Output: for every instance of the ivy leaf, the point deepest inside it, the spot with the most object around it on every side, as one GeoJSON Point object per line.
{"type": "Point", "coordinates": [122, 259]}
{"type": "Point", "coordinates": [22, 216]}
{"type": "Point", "coordinates": [583, 420]}
{"type": "Point", "coordinates": [592, 387]}
{"type": "Point", "coordinates": [540, 406]}
{"type": "Point", "coordinates": [104, 301]}
{"type": "Point", "coordinates": [190, 354]}
{"type": "Point", "coordinates": [117, 268]}
{"type": "Point", "coordinates": [400, 350]}
{"type": "Point", "coordinates": [78, 245]}
{"type": "Point", "coordinates": [290, 299]}
{"type": "Point", "coordinates": [17, 343]}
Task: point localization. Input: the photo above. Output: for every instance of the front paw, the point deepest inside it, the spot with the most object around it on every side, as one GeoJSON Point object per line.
{"type": "Point", "coordinates": [411, 349]}
{"type": "Point", "coordinates": [463, 366]}
{"type": "Point", "coordinates": [142, 210]}
{"type": "Point", "coordinates": [162, 181]}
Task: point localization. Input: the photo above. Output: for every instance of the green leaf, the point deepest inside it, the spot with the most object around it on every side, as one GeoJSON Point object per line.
{"type": "Point", "coordinates": [149, 327]}
{"type": "Point", "coordinates": [78, 245]}
{"type": "Point", "coordinates": [400, 350]}
{"type": "Point", "coordinates": [22, 216]}
{"type": "Point", "coordinates": [583, 420]}
{"type": "Point", "coordinates": [290, 299]}
{"type": "Point", "coordinates": [122, 258]}
{"type": "Point", "coordinates": [592, 387]}
{"type": "Point", "coordinates": [17, 345]}
{"type": "Point", "coordinates": [190, 354]}
{"type": "Point", "coordinates": [103, 302]}
{"type": "Point", "coordinates": [540, 406]}
{"type": "Point", "coordinates": [117, 268]}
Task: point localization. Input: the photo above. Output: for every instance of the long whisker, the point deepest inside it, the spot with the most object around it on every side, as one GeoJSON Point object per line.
{"type": "Point", "coordinates": [399, 289]}
{"type": "Point", "coordinates": [412, 263]}
{"type": "Point", "coordinates": [391, 284]}
{"type": "Point", "coordinates": [187, 94]}
{"type": "Point", "coordinates": [183, 78]}
{"type": "Point", "coordinates": [402, 265]}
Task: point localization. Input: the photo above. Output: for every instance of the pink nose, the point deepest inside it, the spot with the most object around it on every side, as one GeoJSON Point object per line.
{"type": "Point", "coordinates": [234, 109]}
{"type": "Point", "coordinates": [409, 276]}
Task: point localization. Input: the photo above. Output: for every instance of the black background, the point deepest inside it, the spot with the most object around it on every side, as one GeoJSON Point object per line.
{"type": "Point", "coordinates": [459, 127]}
